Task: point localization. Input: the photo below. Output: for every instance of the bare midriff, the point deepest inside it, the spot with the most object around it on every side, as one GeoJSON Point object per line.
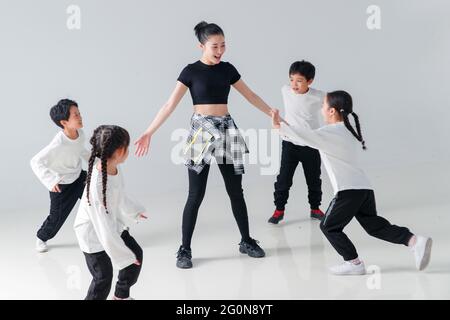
{"type": "Point", "coordinates": [216, 110]}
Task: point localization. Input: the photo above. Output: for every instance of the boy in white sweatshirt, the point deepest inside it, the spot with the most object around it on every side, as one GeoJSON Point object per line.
{"type": "Point", "coordinates": [58, 167]}
{"type": "Point", "coordinates": [302, 103]}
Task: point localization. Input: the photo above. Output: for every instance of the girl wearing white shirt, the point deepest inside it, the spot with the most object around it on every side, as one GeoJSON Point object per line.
{"type": "Point", "coordinates": [354, 196]}
{"type": "Point", "coordinates": [105, 209]}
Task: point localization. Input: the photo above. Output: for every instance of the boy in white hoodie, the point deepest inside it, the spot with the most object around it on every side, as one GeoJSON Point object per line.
{"type": "Point", "coordinates": [58, 167]}
{"type": "Point", "coordinates": [302, 103]}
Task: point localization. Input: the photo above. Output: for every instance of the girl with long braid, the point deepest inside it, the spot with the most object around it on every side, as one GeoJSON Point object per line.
{"type": "Point", "coordinates": [101, 222]}
{"type": "Point", "coordinates": [354, 196]}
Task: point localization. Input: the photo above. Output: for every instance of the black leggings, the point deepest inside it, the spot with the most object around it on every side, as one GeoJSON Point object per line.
{"type": "Point", "coordinates": [197, 188]}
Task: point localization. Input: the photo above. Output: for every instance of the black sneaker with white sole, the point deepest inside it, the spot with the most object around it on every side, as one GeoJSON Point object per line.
{"type": "Point", "coordinates": [184, 258]}
{"type": "Point", "coordinates": [251, 248]}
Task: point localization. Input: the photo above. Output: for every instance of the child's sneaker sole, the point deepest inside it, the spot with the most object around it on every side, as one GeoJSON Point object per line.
{"type": "Point", "coordinates": [427, 255]}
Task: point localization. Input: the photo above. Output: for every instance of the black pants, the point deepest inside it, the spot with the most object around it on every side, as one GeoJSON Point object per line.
{"type": "Point", "coordinates": [360, 204]}
{"type": "Point", "coordinates": [197, 188]}
{"type": "Point", "coordinates": [291, 155]}
{"type": "Point", "coordinates": [61, 204]}
{"type": "Point", "coordinates": [101, 269]}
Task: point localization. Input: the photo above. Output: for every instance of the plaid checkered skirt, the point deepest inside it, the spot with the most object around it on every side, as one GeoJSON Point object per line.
{"type": "Point", "coordinates": [214, 136]}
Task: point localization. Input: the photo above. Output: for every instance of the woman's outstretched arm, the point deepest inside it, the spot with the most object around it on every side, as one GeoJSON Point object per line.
{"type": "Point", "coordinates": [252, 97]}
{"type": "Point", "coordinates": [142, 144]}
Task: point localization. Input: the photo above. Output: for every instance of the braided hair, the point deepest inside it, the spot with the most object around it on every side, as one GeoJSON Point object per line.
{"type": "Point", "coordinates": [105, 141]}
{"type": "Point", "coordinates": [343, 103]}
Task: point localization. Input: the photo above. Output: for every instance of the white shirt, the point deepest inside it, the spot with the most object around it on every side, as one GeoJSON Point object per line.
{"type": "Point", "coordinates": [302, 107]}
{"type": "Point", "coordinates": [97, 230]}
{"type": "Point", "coordinates": [60, 161]}
{"type": "Point", "coordinates": [339, 151]}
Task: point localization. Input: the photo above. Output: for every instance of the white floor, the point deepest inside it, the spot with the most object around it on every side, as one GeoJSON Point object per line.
{"type": "Point", "coordinates": [297, 253]}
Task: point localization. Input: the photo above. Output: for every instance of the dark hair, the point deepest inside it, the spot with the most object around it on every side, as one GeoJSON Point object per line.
{"type": "Point", "coordinates": [343, 103]}
{"type": "Point", "coordinates": [303, 68]}
{"type": "Point", "coordinates": [61, 111]}
{"type": "Point", "coordinates": [105, 141]}
{"type": "Point", "coordinates": [204, 30]}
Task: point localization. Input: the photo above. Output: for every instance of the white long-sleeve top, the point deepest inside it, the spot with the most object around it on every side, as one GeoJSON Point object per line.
{"type": "Point", "coordinates": [60, 161]}
{"type": "Point", "coordinates": [97, 230]}
{"type": "Point", "coordinates": [299, 108]}
{"type": "Point", "coordinates": [339, 151]}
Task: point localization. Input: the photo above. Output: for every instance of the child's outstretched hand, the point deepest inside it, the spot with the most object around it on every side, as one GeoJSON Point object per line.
{"type": "Point", "coordinates": [276, 118]}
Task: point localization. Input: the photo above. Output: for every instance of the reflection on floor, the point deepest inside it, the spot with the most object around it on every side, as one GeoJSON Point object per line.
{"type": "Point", "coordinates": [297, 253]}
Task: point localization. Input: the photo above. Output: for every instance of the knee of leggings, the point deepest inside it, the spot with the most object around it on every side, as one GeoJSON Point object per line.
{"type": "Point", "coordinates": [105, 278]}
{"type": "Point", "coordinates": [196, 195]}
{"type": "Point", "coordinates": [139, 254]}
{"type": "Point", "coordinates": [236, 194]}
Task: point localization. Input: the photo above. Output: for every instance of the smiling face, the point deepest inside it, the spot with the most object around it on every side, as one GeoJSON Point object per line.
{"type": "Point", "coordinates": [75, 120]}
{"type": "Point", "coordinates": [299, 84]}
{"type": "Point", "coordinates": [213, 49]}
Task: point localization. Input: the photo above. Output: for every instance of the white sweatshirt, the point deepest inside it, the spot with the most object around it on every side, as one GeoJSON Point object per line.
{"type": "Point", "coordinates": [339, 151]}
{"type": "Point", "coordinates": [302, 107]}
{"type": "Point", "coordinates": [97, 230]}
{"type": "Point", "coordinates": [60, 161]}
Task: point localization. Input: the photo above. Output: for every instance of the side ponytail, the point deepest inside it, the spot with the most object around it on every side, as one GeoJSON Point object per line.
{"type": "Point", "coordinates": [343, 103]}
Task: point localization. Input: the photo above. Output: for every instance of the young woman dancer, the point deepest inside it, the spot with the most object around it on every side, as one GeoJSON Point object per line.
{"type": "Point", "coordinates": [338, 143]}
{"type": "Point", "coordinates": [209, 80]}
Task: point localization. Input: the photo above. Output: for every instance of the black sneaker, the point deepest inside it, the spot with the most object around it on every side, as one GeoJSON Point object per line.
{"type": "Point", "coordinates": [251, 248]}
{"type": "Point", "coordinates": [317, 214]}
{"type": "Point", "coordinates": [184, 257]}
{"type": "Point", "coordinates": [277, 216]}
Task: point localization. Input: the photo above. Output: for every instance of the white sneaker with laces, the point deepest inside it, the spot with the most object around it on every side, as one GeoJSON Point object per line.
{"type": "Point", "coordinates": [41, 246]}
{"type": "Point", "coordinates": [129, 298]}
{"type": "Point", "coordinates": [348, 268]}
{"type": "Point", "coordinates": [422, 251]}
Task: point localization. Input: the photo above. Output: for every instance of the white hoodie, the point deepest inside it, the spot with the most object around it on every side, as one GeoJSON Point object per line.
{"type": "Point", "coordinates": [60, 161]}
{"type": "Point", "coordinates": [97, 230]}
{"type": "Point", "coordinates": [339, 151]}
{"type": "Point", "coordinates": [302, 107]}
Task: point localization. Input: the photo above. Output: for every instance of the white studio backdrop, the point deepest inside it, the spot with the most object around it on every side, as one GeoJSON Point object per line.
{"type": "Point", "coordinates": [122, 64]}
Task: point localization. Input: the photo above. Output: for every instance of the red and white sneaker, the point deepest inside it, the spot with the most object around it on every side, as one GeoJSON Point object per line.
{"type": "Point", "coordinates": [277, 216]}
{"type": "Point", "coordinates": [317, 214]}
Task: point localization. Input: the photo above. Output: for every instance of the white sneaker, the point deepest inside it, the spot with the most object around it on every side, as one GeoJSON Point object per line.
{"type": "Point", "coordinates": [422, 251]}
{"type": "Point", "coordinates": [41, 246]}
{"type": "Point", "coordinates": [348, 268]}
{"type": "Point", "coordinates": [129, 298]}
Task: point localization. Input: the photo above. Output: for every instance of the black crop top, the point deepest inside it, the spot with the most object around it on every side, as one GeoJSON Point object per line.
{"type": "Point", "coordinates": [209, 84]}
